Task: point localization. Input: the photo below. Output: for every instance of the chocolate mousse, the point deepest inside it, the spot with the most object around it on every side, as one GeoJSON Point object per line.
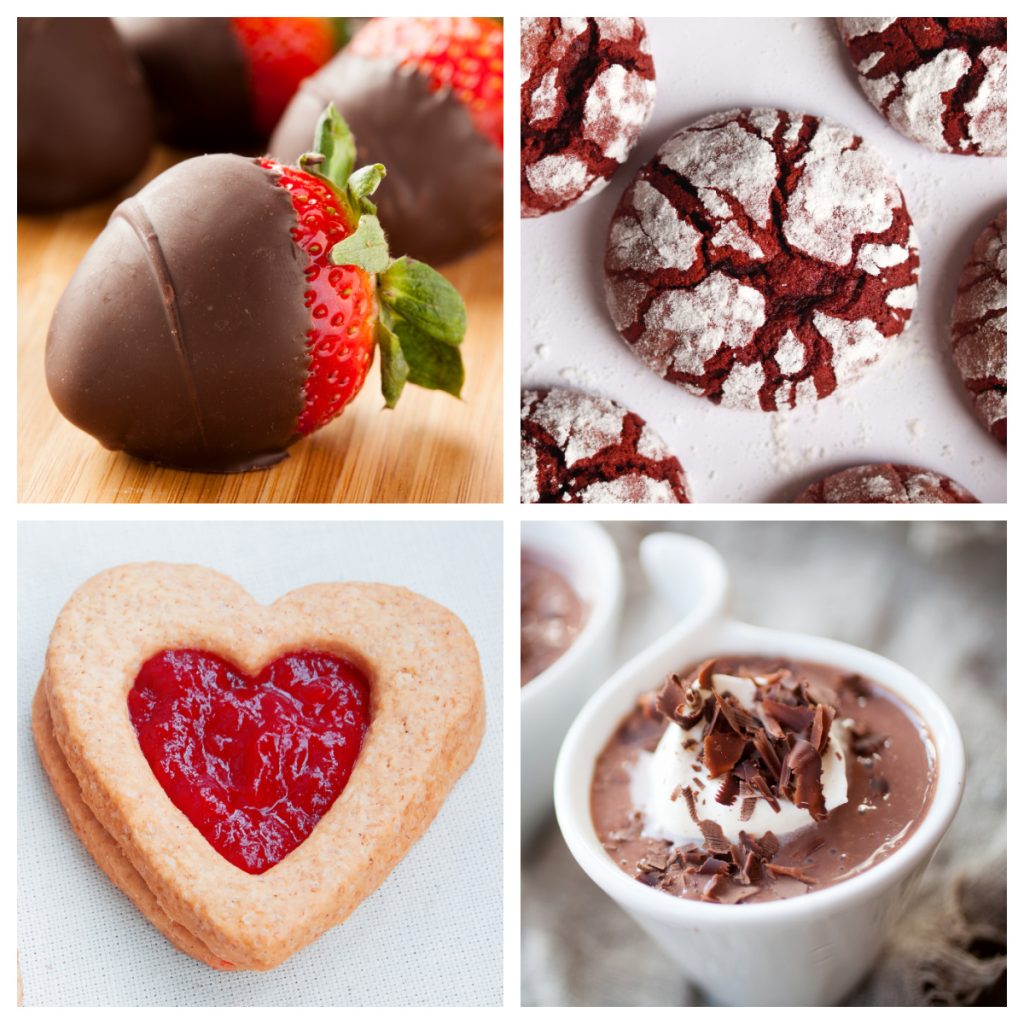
{"type": "Point", "coordinates": [551, 616]}
{"type": "Point", "coordinates": [747, 779]}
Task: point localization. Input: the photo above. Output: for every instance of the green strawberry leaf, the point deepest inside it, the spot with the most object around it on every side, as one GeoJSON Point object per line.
{"type": "Point", "coordinates": [432, 363]}
{"type": "Point", "coordinates": [336, 144]}
{"type": "Point", "coordinates": [366, 247]}
{"type": "Point", "coordinates": [362, 184]}
{"type": "Point", "coordinates": [419, 295]}
{"type": "Point", "coordinates": [394, 370]}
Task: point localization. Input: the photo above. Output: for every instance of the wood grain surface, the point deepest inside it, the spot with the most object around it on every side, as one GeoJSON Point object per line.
{"type": "Point", "coordinates": [432, 448]}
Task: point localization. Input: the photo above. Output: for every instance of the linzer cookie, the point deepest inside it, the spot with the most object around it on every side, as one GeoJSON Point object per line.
{"type": "Point", "coordinates": [584, 449]}
{"type": "Point", "coordinates": [762, 259]}
{"type": "Point", "coordinates": [939, 81]}
{"type": "Point", "coordinates": [234, 306]}
{"type": "Point", "coordinates": [886, 484]}
{"type": "Point", "coordinates": [248, 774]}
{"type": "Point", "coordinates": [749, 779]}
{"type": "Point", "coordinates": [979, 327]}
{"type": "Point", "coordinates": [587, 91]}
{"type": "Point", "coordinates": [424, 97]}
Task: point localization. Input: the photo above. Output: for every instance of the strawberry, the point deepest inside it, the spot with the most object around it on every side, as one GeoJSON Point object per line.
{"type": "Point", "coordinates": [358, 296]}
{"type": "Point", "coordinates": [463, 54]}
{"type": "Point", "coordinates": [233, 306]}
{"type": "Point", "coordinates": [279, 54]}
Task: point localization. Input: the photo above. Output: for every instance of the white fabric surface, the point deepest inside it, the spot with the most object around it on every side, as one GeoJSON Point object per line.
{"type": "Point", "coordinates": [929, 595]}
{"type": "Point", "coordinates": [431, 935]}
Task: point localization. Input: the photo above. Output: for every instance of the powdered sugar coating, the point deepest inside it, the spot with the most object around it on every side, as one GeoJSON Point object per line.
{"type": "Point", "coordinates": [587, 91]}
{"type": "Point", "coordinates": [979, 327]}
{"type": "Point", "coordinates": [886, 484]}
{"type": "Point", "coordinates": [939, 81]}
{"type": "Point", "coordinates": [585, 449]}
{"type": "Point", "coordinates": [761, 259]}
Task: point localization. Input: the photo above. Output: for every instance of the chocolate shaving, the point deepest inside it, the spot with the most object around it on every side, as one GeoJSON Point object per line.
{"type": "Point", "coordinates": [714, 837]}
{"type": "Point", "coordinates": [823, 717]}
{"type": "Point", "coordinates": [714, 866]}
{"type": "Point", "coordinates": [654, 862]}
{"type": "Point", "coordinates": [798, 719]}
{"type": "Point", "coordinates": [763, 745]}
{"type": "Point", "coordinates": [721, 752]}
{"type": "Point", "coordinates": [747, 808]}
{"type": "Point", "coordinates": [728, 791]}
{"type": "Point", "coordinates": [691, 805]}
{"type": "Point", "coordinates": [789, 872]}
{"type": "Point", "coordinates": [704, 673]}
{"type": "Point", "coordinates": [805, 764]}
{"type": "Point", "coordinates": [739, 720]}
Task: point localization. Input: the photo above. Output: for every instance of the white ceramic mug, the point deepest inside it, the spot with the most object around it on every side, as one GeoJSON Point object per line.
{"type": "Point", "coordinates": [585, 554]}
{"type": "Point", "coordinates": [810, 950]}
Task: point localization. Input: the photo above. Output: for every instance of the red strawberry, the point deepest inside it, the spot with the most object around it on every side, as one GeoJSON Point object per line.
{"type": "Point", "coordinates": [279, 54]}
{"type": "Point", "coordinates": [464, 54]}
{"type": "Point", "coordinates": [232, 307]}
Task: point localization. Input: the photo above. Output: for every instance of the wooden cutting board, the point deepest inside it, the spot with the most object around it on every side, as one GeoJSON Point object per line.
{"type": "Point", "coordinates": [432, 448]}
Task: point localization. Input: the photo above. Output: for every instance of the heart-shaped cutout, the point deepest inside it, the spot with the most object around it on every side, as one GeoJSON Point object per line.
{"type": "Point", "coordinates": [253, 762]}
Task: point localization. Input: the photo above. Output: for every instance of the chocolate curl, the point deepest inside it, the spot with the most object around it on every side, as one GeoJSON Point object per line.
{"type": "Point", "coordinates": [798, 719]}
{"type": "Point", "coordinates": [823, 718]}
{"type": "Point", "coordinates": [704, 673]}
{"type": "Point", "coordinates": [805, 763]}
{"type": "Point", "coordinates": [679, 702]}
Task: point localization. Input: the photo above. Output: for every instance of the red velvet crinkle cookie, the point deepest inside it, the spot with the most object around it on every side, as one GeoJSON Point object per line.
{"type": "Point", "coordinates": [584, 449]}
{"type": "Point", "coordinates": [939, 81]}
{"type": "Point", "coordinates": [587, 91]}
{"type": "Point", "coordinates": [761, 259]}
{"type": "Point", "coordinates": [886, 484]}
{"type": "Point", "coordinates": [979, 326]}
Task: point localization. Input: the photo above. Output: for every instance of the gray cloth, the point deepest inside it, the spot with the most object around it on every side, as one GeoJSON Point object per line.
{"type": "Point", "coordinates": [931, 596]}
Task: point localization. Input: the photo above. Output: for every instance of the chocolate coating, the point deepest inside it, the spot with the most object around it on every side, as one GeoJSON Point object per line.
{"type": "Point", "coordinates": [181, 337]}
{"type": "Point", "coordinates": [197, 73]}
{"type": "Point", "coordinates": [85, 123]}
{"type": "Point", "coordinates": [443, 192]}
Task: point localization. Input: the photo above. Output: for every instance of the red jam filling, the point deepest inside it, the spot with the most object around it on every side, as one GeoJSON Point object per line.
{"type": "Point", "coordinates": [254, 762]}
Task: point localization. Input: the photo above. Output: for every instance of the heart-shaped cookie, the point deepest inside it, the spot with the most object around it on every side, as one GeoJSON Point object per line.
{"type": "Point", "coordinates": [123, 746]}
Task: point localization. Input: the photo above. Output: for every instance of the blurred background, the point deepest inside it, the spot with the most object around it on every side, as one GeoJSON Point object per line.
{"type": "Point", "coordinates": [930, 596]}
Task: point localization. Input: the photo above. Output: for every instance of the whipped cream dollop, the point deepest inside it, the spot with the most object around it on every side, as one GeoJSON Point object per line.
{"type": "Point", "coordinates": [660, 778]}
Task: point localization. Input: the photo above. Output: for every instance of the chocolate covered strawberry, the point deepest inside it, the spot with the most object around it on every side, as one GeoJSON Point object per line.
{"type": "Point", "coordinates": [224, 82]}
{"type": "Point", "coordinates": [423, 95]}
{"type": "Point", "coordinates": [233, 306]}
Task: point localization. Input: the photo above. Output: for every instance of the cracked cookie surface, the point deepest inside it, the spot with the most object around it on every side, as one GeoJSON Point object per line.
{"type": "Point", "coordinates": [886, 484]}
{"type": "Point", "coordinates": [587, 90]}
{"type": "Point", "coordinates": [583, 449]}
{"type": "Point", "coordinates": [979, 327]}
{"type": "Point", "coordinates": [939, 81]}
{"type": "Point", "coordinates": [761, 259]}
